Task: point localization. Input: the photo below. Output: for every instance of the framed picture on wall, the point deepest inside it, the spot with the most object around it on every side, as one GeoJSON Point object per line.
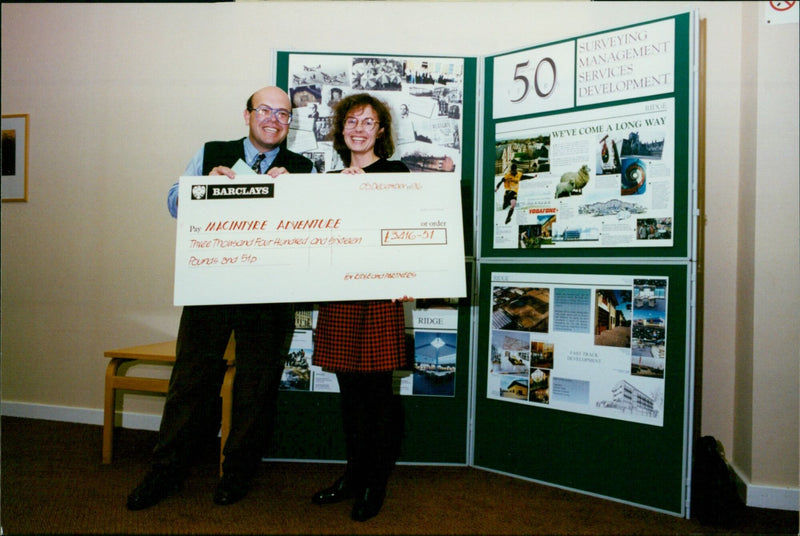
{"type": "Point", "coordinates": [15, 158]}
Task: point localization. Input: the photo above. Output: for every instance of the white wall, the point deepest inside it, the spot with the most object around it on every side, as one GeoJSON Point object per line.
{"type": "Point", "coordinates": [121, 95]}
{"type": "Point", "coordinates": [774, 256]}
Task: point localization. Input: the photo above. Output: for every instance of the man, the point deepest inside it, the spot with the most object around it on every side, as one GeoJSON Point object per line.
{"type": "Point", "coordinates": [262, 332]}
{"type": "Point", "coordinates": [510, 182]}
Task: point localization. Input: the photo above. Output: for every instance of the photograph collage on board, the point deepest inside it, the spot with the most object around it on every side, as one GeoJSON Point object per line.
{"type": "Point", "coordinates": [597, 349]}
{"type": "Point", "coordinates": [594, 180]}
{"type": "Point", "coordinates": [424, 95]}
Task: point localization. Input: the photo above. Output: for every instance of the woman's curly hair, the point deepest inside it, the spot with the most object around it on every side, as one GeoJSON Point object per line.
{"type": "Point", "coordinates": [384, 145]}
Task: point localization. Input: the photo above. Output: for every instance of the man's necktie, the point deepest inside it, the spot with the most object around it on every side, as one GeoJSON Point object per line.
{"type": "Point", "coordinates": [257, 163]}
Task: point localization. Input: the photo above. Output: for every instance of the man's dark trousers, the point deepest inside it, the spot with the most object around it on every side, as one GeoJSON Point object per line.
{"type": "Point", "coordinates": [192, 410]}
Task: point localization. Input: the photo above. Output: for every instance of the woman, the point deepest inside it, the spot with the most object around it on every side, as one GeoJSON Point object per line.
{"type": "Point", "coordinates": [364, 341]}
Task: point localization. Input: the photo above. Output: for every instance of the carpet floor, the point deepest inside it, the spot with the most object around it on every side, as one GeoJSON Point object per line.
{"type": "Point", "coordinates": [52, 482]}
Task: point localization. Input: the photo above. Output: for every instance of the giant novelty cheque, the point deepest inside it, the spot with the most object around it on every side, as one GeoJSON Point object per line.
{"type": "Point", "coordinates": [309, 237]}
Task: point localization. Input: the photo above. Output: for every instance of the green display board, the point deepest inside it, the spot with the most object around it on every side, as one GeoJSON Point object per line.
{"type": "Point", "coordinates": [586, 263]}
{"type": "Point", "coordinates": [594, 442]}
{"type": "Point", "coordinates": [600, 129]}
{"type": "Point", "coordinates": [309, 424]}
{"type": "Point", "coordinates": [433, 104]}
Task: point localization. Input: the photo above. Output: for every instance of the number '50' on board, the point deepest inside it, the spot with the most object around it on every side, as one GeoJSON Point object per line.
{"type": "Point", "coordinates": [544, 78]}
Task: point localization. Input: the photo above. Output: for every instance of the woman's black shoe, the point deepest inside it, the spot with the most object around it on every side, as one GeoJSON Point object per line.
{"type": "Point", "coordinates": [369, 504]}
{"type": "Point", "coordinates": [339, 491]}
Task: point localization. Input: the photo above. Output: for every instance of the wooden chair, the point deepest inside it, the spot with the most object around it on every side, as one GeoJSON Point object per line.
{"type": "Point", "coordinates": [162, 352]}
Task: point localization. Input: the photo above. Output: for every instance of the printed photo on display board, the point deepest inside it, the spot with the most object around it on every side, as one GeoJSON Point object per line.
{"type": "Point", "coordinates": [435, 328]}
{"type": "Point", "coordinates": [425, 96]}
{"type": "Point", "coordinates": [586, 344]}
{"type": "Point", "coordinates": [296, 372]}
{"type": "Point", "coordinates": [598, 178]}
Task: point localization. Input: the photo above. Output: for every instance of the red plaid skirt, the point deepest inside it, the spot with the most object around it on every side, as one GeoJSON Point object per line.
{"type": "Point", "coordinates": [360, 336]}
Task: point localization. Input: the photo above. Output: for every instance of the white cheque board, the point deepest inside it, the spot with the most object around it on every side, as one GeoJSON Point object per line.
{"type": "Point", "coordinates": [309, 237]}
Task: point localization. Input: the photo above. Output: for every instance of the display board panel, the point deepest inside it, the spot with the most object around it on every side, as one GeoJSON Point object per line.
{"type": "Point", "coordinates": [435, 391]}
{"type": "Point", "coordinates": [591, 417]}
{"type": "Point", "coordinates": [433, 104]}
{"type": "Point", "coordinates": [587, 146]}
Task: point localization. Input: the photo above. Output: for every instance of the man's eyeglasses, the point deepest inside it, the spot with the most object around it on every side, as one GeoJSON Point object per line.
{"type": "Point", "coordinates": [264, 112]}
{"type": "Point", "coordinates": [367, 124]}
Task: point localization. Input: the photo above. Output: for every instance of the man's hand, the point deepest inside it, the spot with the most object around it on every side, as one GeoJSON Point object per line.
{"type": "Point", "coordinates": [228, 172]}
{"type": "Point", "coordinates": [223, 170]}
{"type": "Point", "coordinates": [274, 172]}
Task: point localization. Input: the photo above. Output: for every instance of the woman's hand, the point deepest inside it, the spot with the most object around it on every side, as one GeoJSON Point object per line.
{"type": "Point", "coordinates": [352, 171]}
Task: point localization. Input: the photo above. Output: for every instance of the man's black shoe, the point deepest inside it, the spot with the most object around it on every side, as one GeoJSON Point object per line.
{"type": "Point", "coordinates": [369, 504]}
{"type": "Point", "coordinates": [231, 488]}
{"type": "Point", "coordinates": [156, 486]}
{"type": "Point", "coordinates": [339, 491]}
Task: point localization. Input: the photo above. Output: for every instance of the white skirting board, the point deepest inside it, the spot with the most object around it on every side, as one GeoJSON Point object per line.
{"type": "Point", "coordinates": [776, 498]}
{"type": "Point", "coordinates": [756, 496]}
{"type": "Point", "coordinates": [134, 421]}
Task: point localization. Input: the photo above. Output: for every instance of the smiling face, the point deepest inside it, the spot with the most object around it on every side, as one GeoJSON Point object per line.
{"type": "Point", "coordinates": [268, 134]}
{"type": "Point", "coordinates": [361, 140]}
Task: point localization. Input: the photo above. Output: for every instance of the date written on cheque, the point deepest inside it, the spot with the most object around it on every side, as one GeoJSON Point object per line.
{"type": "Point", "coordinates": [413, 237]}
